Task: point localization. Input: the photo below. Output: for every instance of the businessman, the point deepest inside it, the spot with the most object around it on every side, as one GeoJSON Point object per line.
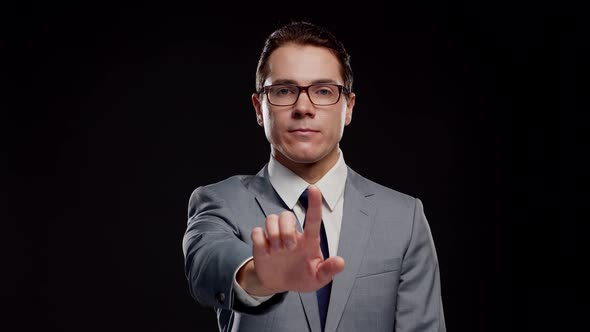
{"type": "Point", "coordinates": [308, 244]}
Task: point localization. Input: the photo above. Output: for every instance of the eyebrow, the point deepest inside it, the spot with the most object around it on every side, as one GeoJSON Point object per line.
{"type": "Point", "coordinates": [318, 81]}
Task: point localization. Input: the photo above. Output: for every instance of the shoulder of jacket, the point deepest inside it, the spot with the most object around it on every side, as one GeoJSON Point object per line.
{"type": "Point", "coordinates": [371, 187]}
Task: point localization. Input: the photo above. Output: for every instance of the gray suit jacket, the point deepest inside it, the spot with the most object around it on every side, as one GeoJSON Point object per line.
{"type": "Point", "coordinates": [390, 281]}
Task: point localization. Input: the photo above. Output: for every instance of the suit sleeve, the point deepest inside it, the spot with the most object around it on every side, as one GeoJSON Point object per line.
{"type": "Point", "coordinates": [213, 249]}
{"type": "Point", "coordinates": [419, 302]}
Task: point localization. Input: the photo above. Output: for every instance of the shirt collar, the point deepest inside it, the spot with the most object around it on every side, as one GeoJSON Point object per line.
{"type": "Point", "coordinates": [289, 185]}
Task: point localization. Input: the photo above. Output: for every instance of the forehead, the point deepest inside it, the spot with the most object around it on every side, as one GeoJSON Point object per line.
{"type": "Point", "coordinates": [303, 64]}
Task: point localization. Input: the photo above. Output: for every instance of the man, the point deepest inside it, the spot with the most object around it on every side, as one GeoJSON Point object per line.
{"type": "Point", "coordinates": [308, 244]}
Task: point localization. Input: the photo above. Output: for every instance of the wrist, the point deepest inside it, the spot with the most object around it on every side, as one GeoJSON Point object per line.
{"type": "Point", "coordinates": [249, 281]}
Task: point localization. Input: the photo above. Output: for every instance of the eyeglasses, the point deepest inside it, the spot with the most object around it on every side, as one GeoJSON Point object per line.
{"type": "Point", "coordinates": [288, 94]}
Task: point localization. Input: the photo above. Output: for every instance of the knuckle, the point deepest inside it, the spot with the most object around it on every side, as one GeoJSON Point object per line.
{"type": "Point", "coordinates": [285, 222]}
{"type": "Point", "coordinates": [271, 222]}
{"type": "Point", "coordinates": [286, 215]}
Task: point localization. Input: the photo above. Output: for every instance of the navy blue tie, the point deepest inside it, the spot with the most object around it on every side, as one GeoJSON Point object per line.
{"type": "Point", "coordinates": [323, 294]}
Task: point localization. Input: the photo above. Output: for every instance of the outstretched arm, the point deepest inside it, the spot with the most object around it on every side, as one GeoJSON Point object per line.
{"type": "Point", "coordinates": [283, 258]}
{"type": "Point", "coordinates": [213, 251]}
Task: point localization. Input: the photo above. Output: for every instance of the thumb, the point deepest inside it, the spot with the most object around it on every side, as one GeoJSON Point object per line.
{"type": "Point", "coordinates": [329, 268]}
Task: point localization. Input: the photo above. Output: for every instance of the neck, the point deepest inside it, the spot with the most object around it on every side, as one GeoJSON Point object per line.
{"type": "Point", "coordinates": [310, 172]}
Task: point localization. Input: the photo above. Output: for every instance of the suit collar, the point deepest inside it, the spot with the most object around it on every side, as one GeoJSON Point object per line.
{"type": "Point", "coordinates": [261, 186]}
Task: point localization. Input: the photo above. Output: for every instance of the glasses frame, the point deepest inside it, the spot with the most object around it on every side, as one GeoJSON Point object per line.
{"type": "Point", "coordinates": [305, 88]}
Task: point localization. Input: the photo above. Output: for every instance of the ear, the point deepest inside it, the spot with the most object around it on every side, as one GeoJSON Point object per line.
{"type": "Point", "coordinates": [256, 102]}
{"type": "Point", "coordinates": [349, 107]}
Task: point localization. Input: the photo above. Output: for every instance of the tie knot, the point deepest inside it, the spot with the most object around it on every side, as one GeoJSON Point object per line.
{"type": "Point", "coordinates": [303, 199]}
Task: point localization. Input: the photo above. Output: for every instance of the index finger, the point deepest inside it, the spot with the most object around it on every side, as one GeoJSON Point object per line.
{"type": "Point", "coordinates": [313, 215]}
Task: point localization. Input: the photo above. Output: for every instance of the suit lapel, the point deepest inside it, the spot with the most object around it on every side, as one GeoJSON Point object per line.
{"type": "Point", "coordinates": [267, 198]}
{"type": "Point", "coordinates": [312, 311]}
{"type": "Point", "coordinates": [357, 218]}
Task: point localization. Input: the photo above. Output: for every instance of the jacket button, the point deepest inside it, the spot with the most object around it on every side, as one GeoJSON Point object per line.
{"type": "Point", "coordinates": [220, 297]}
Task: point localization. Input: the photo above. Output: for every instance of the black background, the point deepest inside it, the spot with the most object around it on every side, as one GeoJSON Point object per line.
{"type": "Point", "coordinates": [119, 113]}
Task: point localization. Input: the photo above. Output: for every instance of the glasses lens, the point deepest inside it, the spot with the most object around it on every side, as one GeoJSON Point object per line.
{"type": "Point", "coordinates": [324, 94]}
{"type": "Point", "coordinates": [283, 94]}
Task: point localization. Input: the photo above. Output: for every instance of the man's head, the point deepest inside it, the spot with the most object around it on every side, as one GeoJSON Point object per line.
{"type": "Point", "coordinates": [303, 98]}
{"type": "Point", "coordinates": [304, 33]}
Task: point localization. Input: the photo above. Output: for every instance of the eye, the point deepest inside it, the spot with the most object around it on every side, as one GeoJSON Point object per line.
{"type": "Point", "coordinates": [283, 90]}
{"type": "Point", "coordinates": [324, 90]}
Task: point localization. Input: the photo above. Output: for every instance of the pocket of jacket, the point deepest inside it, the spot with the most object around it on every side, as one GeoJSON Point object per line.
{"type": "Point", "coordinates": [373, 266]}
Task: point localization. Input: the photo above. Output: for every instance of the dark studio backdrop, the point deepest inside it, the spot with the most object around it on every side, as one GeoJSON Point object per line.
{"type": "Point", "coordinates": [127, 110]}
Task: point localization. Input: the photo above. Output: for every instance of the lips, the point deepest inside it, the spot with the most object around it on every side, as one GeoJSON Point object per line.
{"type": "Point", "coordinates": [304, 130]}
{"type": "Point", "coordinates": [304, 133]}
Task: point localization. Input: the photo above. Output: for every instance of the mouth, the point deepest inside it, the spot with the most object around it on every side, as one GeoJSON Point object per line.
{"type": "Point", "coordinates": [304, 133]}
{"type": "Point", "coordinates": [303, 130]}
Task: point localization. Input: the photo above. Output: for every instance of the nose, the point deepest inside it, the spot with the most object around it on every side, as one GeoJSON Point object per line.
{"type": "Point", "coordinates": [303, 107]}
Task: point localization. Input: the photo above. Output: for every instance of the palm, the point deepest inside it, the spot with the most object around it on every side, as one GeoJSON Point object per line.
{"type": "Point", "coordinates": [295, 269]}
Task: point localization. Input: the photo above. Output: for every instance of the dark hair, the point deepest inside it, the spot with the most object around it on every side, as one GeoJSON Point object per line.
{"type": "Point", "coordinates": [303, 33]}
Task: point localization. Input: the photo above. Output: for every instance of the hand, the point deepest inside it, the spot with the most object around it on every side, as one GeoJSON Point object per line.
{"type": "Point", "coordinates": [287, 260]}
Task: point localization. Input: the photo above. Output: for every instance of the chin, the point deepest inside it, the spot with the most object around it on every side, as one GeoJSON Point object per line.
{"type": "Point", "coordinates": [296, 155]}
{"type": "Point", "coordinates": [303, 153]}
{"type": "Point", "coordinates": [305, 157]}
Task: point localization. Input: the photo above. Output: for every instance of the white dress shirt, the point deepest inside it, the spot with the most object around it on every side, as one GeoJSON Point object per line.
{"type": "Point", "coordinates": [290, 186]}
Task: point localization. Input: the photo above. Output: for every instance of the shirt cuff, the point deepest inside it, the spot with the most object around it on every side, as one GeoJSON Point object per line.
{"type": "Point", "coordinates": [243, 296]}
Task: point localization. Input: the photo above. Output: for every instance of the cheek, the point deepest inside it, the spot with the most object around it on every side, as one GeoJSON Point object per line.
{"type": "Point", "coordinates": [343, 118]}
{"type": "Point", "coordinates": [272, 127]}
{"type": "Point", "coordinates": [338, 121]}
{"type": "Point", "coordinates": [343, 122]}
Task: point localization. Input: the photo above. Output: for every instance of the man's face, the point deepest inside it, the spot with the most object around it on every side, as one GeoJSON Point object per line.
{"type": "Point", "coordinates": [303, 132]}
